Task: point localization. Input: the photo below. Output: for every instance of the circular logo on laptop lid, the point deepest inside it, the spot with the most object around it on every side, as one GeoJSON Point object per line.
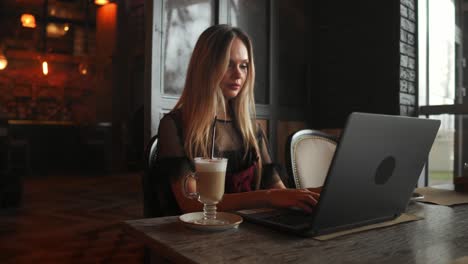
{"type": "Point", "coordinates": [385, 170]}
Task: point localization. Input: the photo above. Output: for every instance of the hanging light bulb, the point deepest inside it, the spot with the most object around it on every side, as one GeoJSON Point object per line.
{"type": "Point", "coordinates": [101, 2]}
{"type": "Point", "coordinates": [28, 20]}
{"type": "Point", "coordinates": [45, 68]}
{"type": "Point", "coordinates": [83, 68]}
{"type": "Point", "coordinates": [3, 62]}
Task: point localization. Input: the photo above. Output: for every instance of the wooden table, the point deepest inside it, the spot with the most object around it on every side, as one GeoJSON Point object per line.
{"type": "Point", "coordinates": [441, 237]}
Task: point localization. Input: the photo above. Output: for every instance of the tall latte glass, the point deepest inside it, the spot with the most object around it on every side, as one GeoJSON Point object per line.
{"type": "Point", "coordinates": [209, 176]}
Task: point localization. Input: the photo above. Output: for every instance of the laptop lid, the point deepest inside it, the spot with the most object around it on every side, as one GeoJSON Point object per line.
{"type": "Point", "coordinates": [374, 170]}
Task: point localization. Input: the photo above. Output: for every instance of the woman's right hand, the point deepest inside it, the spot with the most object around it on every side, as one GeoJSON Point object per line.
{"type": "Point", "coordinates": [286, 198]}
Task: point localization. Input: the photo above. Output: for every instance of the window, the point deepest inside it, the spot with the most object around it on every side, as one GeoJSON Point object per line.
{"type": "Point", "coordinates": [437, 82]}
{"type": "Point", "coordinates": [183, 22]}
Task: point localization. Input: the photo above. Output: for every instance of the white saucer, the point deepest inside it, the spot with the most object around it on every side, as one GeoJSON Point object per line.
{"type": "Point", "coordinates": [231, 221]}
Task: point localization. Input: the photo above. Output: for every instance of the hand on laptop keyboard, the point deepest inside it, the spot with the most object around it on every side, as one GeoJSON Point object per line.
{"type": "Point", "coordinates": [315, 189]}
{"type": "Point", "coordinates": [287, 198]}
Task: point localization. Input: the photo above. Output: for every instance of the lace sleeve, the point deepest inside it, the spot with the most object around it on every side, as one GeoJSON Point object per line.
{"type": "Point", "coordinates": [170, 143]}
{"type": "Point", "coordinates": [171, 158]}
{"type": "Point", "coordinates": [270, 174]}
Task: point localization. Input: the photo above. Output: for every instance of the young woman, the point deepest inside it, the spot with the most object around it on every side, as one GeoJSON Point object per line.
{"type": "Point", "coordinates": [219, 88]}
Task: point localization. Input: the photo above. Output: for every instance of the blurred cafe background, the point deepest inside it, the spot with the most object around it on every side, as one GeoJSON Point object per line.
{"type": "Point", "coordinates": [70, 86]}
{"type": "Point", "coordinates": [84, 83]}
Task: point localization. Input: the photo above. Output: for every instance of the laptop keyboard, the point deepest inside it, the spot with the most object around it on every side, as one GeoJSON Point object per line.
{"type": "Point", "coordinates": [290, 218]}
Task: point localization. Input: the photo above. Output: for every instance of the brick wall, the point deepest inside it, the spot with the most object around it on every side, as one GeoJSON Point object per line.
{"type": "Point", "coordinates": [63, 95]}
{"type": "Point", "coordinates": [408, 58]}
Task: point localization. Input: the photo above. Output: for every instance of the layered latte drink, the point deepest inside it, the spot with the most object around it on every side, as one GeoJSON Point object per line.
{"type": "Point", "coordinates": [209, 176]}
{"type": "Point", "coordinates": [210, 179]}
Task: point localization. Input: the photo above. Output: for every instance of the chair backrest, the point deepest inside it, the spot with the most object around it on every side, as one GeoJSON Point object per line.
{"type": "Point", "coordinates": [150, 197]}
{"type": "Point", "coordinates": [308, 156]}
{"type": "Point", "coordinates": [151, 151]}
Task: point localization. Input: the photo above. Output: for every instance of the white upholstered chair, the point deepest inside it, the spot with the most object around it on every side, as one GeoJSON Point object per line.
{"type": "Point", "coordinates": [308, 156]}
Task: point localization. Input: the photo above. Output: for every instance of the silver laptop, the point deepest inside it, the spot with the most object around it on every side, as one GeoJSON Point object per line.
{"type": "Point", "coordinates": [374, 171]}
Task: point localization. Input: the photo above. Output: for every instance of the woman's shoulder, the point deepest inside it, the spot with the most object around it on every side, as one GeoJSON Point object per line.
{"type": "Point", "coordinates": [169, 122]}
{"type": "Point", "coordinates": [173, 117]}
{"type": "Point", "coordinates": [166, 121]}
{"type": "Point", "coordinates": [170, 135]}
{"type": "Point", "coordinates": [173, 114]}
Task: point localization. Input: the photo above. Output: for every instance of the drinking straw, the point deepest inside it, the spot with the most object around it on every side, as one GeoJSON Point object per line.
{"type": "Point", "coordinates": [213, 135]}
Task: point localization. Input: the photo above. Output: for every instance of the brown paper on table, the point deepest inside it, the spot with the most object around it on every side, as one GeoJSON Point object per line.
{"type": "Point", "coordinates": [442, 196]}
{"type": "Point", "coordinates": [401, 219]}
{"type": "Point", "coordinates": [462, 260]}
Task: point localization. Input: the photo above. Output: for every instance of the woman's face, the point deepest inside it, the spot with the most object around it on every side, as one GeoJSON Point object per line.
{"type": "Point", "coordinates": [238, 68]}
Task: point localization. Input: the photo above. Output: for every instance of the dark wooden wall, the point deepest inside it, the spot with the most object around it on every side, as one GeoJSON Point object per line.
{"type": "Point", "coordinates": [356, 53]}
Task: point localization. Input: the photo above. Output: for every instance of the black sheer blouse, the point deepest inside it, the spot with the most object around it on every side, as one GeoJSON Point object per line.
{"type": "Point", "coordinates": [172, 162]}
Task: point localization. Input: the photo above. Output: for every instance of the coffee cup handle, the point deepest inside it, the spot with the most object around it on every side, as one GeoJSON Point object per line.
{"type": "Point", "coordinates": [190, 195]}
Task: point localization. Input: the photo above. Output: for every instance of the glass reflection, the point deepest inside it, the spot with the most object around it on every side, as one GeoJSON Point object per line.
{"type": "Point", "coordinates": [184, 21]}
{"type": "Point", "coordinates": [251, 16]}
{"type": "Point", "coordinates": [441, 158]}
{"type": "Point", "coordinates": [441, 53]}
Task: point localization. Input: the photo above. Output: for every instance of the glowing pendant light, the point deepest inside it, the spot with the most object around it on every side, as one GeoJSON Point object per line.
{"type": "Point", "coordinates": [45, 68]}
{"type": "Point", "coordinates": [83, 68]}
{"type": "Point", "coordinates": [3, 62]}
{"type": "Point", "coordinates": [101, 2]}
{"type": "Point", "coordinates": [28, 20]}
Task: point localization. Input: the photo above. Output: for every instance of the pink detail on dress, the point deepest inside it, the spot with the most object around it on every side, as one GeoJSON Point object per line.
{"type": "Point", "coordinates": [241, 181]}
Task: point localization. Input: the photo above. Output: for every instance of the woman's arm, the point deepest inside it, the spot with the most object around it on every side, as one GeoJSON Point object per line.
{"type": "Point", "coordinates": [278, 185]}
{"type": "Point", "coordinates": [280, 198]}
{"type": "Point", "coordinates": [271, 178]}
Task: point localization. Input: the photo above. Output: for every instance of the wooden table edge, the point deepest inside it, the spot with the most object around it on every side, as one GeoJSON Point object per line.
{"type": "Point", "coordinates": [169, 253]}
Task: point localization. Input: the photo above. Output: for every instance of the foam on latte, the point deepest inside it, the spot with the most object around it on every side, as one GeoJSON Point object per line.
{"type": "Point", "coordinates": [210, 165]}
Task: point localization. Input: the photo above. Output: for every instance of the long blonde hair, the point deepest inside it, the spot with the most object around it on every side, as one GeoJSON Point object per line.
{"type": "Point", "coordinates": [202, 94]}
